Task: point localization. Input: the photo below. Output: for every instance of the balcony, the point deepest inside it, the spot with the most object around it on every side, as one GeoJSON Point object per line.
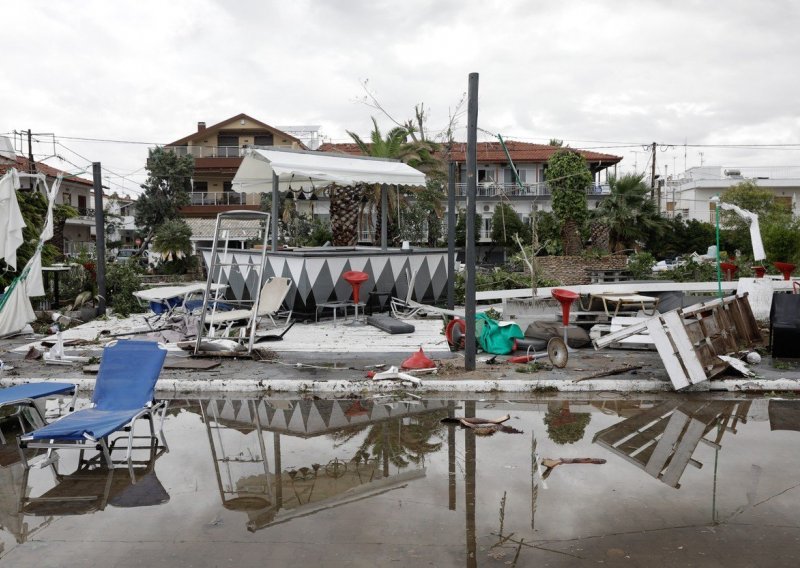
{"type": "Point", "coordinates": [217, 198]}
{"type": "Point", "coordinates": [214, 151]}
{"type": "Point", "coordinates": [488, 189]}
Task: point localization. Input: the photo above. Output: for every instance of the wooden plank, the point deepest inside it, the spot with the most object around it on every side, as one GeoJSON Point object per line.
{"type": "Point", "coordinates": [195, 364]}
{"type": "Point", "coordinates": [683, 453]}
{"type": "Point", "coordinates": [694, 370]}
{"type": "Point", "coordinates": [666, 444]}
{"type": "Point", "coordinates": [666, 351]}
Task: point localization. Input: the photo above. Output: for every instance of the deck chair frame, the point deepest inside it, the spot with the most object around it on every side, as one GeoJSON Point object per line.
{"type": "Point", "coordinates": [151, 411]}
{"type": "Point", "coordinates": [267, 305]}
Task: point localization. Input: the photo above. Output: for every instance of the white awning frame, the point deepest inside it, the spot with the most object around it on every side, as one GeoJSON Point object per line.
{"type": "Point", "coordinates": [298, 169]}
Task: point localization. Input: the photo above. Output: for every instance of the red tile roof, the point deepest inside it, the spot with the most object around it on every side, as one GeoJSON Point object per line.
{"type": "Point", "coordinates": [492, 152]}
{"type": "Point", "coordinates": [210, 129]}
{"type": "Point", "coordinates": [22, 165]}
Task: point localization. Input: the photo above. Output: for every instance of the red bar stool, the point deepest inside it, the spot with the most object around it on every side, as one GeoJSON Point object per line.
{"type": "Point", "coordinates": [729, 269]}
{"type": "Point", "coordinates": [565, 298]}
{"type": "Point", "coordinates": [786, 269]}
{"type": "Point", "coordinates": [355, 279]}
{"type": "Point", "coordinates": [760, 271]}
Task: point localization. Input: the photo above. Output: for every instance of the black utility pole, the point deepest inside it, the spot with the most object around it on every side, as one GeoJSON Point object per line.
{"type": "Point", "coordinates": [451, 235]}
{"type": "Point", "coordinates": [470, 349]}
{"type": "Point", "coordinates": [100, 241]}
{"type": "Point", "coordinates": [653, 176]}
{"type": "Point", "coordinates": [31, 163]}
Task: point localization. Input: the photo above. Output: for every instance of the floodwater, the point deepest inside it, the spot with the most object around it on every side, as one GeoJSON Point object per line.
{"type": "Point", "coordinates": [382, 481]}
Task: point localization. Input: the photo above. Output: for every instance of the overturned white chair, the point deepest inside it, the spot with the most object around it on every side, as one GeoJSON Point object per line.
{"type": "Point", "coordinates": [270, 304]}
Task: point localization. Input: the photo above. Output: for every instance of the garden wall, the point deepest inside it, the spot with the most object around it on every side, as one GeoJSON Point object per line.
{"type": "Point", "coordinates": [571, 270]}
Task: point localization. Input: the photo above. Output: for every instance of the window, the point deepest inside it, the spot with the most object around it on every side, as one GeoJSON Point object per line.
{"type": "Point", "coordinates": [200, 186]}
{"type": "Point", "coordinates": [67, 199]}
{"type": "Point", "coordinates": [263, 140]}
{"type": "Point", "coordinates": [227, 140]}
{"type": "Point", "coordinates": [227, 186]}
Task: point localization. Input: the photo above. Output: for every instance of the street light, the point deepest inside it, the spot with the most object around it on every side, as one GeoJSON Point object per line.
{"type": "Point", "coordinates": [715, 200]}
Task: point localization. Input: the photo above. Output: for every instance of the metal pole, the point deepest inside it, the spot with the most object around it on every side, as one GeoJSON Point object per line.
{"type": "Point", "coordinates": [100, 242]}
{"type": "Point", "coordinates": [469, 257]}
{"type": "Point", "coordinates": [384, 217]}
{"type": "Point", "coordinates": [451, 236]}
{"type": "Point", "coordinates": [719, 267]}
{"type": "Point", "coordinates": [276, 196]}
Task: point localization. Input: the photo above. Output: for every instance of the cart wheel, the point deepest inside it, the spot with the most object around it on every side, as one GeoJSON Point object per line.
{"type": "Point", "coordinates": [557, 352]}
{"type": "Point", "coordinates": [335, 468]}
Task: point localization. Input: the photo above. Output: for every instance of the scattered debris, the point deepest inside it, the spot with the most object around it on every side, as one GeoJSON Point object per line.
{"type": "Point", "coordinates": [551, 464]}
{"type": "Point", "coordinates": [691, 340]}
{"type": "Point", "coordinates": [418, 361]}
{"type": "Point", "coordinates": [393, 373]}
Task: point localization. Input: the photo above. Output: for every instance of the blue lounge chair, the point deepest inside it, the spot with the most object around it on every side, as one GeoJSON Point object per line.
{"type": "Point", "coordinates": [22, 396]}
{"type": "Point", "coordinates": [123, 393]}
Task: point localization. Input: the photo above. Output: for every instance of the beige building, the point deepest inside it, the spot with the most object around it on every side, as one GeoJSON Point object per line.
{"type": "Point", "coordinates": [218, 151]}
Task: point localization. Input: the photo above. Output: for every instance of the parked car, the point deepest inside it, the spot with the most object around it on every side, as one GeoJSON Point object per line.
{"type": "Point", "coordinates": [129, 254]}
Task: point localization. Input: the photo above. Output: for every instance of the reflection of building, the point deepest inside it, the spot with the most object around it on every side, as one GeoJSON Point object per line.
{"type": "Point", "coordinates": [379, 447]}
{"type": "Point", "coordinates": [662, 439]}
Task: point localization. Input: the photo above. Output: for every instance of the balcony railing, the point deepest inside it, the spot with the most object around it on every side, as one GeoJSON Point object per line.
{"type": "Point", "coordinates": [485, 189]}
{"type": "Point", "coordinates": [218, 198]}
{"type": "Point", "coordinates": [214, 151]}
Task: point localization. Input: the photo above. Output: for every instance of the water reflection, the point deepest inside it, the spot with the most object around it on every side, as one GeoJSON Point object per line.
{"type": "Point", "coordinates": [392, 440]}
{"type": "Point", "coordinates": [661, 440]}
{"type": "Point", "coordinates": [91, 487]}
{"type": "Point", "coordinates": [318, 481]}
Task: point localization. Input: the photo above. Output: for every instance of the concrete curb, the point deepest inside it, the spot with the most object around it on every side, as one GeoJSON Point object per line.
{"type": "Point", "coordinates": [333, 387]}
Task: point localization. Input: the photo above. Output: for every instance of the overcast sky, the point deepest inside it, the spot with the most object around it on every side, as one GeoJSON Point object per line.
{"type": "Point", "coordinates": [605, 75]}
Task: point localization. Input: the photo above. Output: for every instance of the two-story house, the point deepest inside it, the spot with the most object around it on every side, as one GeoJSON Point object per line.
{"type": "Point", "coordinates": [218, 151]}
{"type": "Point", "coordinates": [78, 232]}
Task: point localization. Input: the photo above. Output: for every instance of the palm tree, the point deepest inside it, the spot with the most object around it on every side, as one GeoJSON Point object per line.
{"type": "Point", "coordinates": [419, 153]}
{"type": "Point", "coordinates": [628, 212]}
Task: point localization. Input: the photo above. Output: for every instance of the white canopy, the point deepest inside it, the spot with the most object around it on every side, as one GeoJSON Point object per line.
{"type": "Point", "coordinates": [305, 170]}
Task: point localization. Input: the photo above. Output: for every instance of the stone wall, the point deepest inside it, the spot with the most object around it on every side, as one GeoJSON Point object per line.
{"type": "Point", "coordinates": [571, 270]}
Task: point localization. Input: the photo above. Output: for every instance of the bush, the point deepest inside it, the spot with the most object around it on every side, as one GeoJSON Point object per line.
{"type": "Point", "coordinates": [497, 279]}
{"type": "Point", "coordinates": [640, 265]}
{"type": "Point", "coordinates": [122, 280]}
{"type": "Point", "coordinates": [691, 272]}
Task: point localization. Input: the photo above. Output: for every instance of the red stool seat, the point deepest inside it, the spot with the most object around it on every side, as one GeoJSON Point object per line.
{"type": "Point", "coordinates": [760, 271]}
{"type": "Point", "coordinates": [565, 298]}
{"type": "Point", "coordinates": [786, 269]}
{"type": "Point", "coordinates": [729, 269]}
{"type": "Point", "coordinates": [355, 278]}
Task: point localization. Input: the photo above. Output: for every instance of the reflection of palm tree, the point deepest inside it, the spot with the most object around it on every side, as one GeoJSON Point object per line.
{"type": "Point", "coordinates": [563, 426]}
{"type": "Point", "coordinates": [401, 444]}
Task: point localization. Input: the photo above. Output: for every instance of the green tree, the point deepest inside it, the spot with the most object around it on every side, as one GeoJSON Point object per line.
{"type": "Point", "coordinates": [461, 228]}
{"type": "Point", "coordinates": [173, 242]}
{"type": "Point", "coordinates": [628, 212]}
{"type": "Point", "coordinates": [166, 190]}
{"type": "Point", "coordinates": [773, 218]}
{"type": "Point", "coordinates": [568, 177]}
{"type": "Point", "coordinates": [505, 224]}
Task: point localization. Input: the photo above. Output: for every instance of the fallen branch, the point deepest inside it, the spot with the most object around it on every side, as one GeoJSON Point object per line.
{"type": "Point", "coordinates": [475, 422]}
{"type": "Point", "coordinates": [550, 464]}
{"type": "Point", "coordinates": [609, 372]}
